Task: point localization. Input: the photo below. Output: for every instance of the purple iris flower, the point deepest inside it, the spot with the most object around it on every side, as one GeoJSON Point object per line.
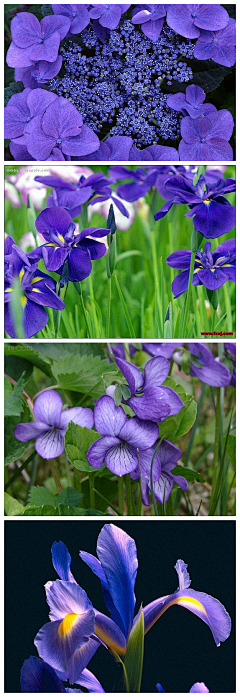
{"type": "Point", "coordinates": [71, 196]}
{"type": "Point", "coordinates": [61, 127]}
{"type": "Point", "coordinates": [38, 290]}
{"type": "Point", "coordinates": [151, 18]}
{"type": "Point", "coordinates": [188, 20]}
{"type": "Point", "coordinates": [218, 45]}
{"type": "Point", "coordinates": [206, 138]}
{"type": "Point", "coordinates": [57, 228]}
{"type": "Point", "coordinates": [121, 438]}
{"type": "Point", "coordinates": [150, 399]}
{"type": "Point", "coordinates": [51, 424]}
{"type": "Point", "coordinates": [164, 462]}
{"type": "Point", "coordinates": [21, 109]}
{"type": "Point", "coordinates": [108, 15]}
{"type": "Point", "coordinates": [35, 41]}
{"type": "Point", "coordinates": [77, 14]}
{"type": "Point", "coordinates": [39, 676]}
{"type": "Point", "coordinates": [212, 213]}
{"type": "Point", "coordinates": [202, 365]}
{"type": "Point", "coordinates": [197, 687]}
{"type": "Point", "coordinates": [38, 73]}
{"type": "Point", "coordinates": [76, 629]}
{"type": "Point", "coordinates": [211, 269]}
{"type": "Point", "coordinates": [191, 103]}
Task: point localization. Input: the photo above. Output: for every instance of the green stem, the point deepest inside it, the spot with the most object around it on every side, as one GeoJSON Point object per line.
{"type": "Point", "coordinates": [95, 319]}
{"type": "Point", "coordinates": [78, 287]}
{"type": "Point", "coordinates": [68, 473]}
{"type": "Point", "coordinates": [189, 296]}
{"type": "Point", "coordinates": [54, 469]}
{"type": "Point", "coordinates": [23, 466]}
{"type": "Point", "coordinates": [91, 490]}
{"type": "Point", "coordinates": [156, 280]}
{"type": "Point", "coordinates": [109, 307]}
{"type": "Point", "coordinates": [120, 495]}
{"type": "Point", "coordinates": [194, 428]}
{"type": "Point", "coordinates": [128, 494]}
{"type": "Point", "coordinates": [217, 441]}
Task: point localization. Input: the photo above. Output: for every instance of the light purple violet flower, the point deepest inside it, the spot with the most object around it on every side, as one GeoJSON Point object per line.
{"type": "Point", "coordinates": [51, 424]}
{"type": "Point", "coordinates": [203, 365]}
{"type": "Point", "coordinates": [151, 18]}
{"type": "Point", "coordinates": [164, 462]}
{"type": "Point", "coordinates": [78, 15]}
{"type": "Point", "coordinates": [21, 109]}
{"type": "Point", "coordinates": [35, 41]}
{"type": "Point", "coordinates": [187, 20]}
{"type": "Point", "coordinates": [150, 399]}
{"type": "Point", "coordinates": [121, 438]}
{"type": "Point", "coordinates": [191, 103]}
{"type": "Point", "coordinates": [108, 15]}
{"type": "Point", "coordinates": [60, 127]}
{"type": "Point", "coordinates": [197, 687]}
{"type": "Point", "coordinates": [38, 73]}
{"type": "Point", "coordinates": [206, 138]}
{"type": "Point", "coordinates": [218, 45]}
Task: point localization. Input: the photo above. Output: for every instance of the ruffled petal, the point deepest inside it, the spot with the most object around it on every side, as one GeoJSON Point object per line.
{"type": "Point", "coordinates": [50, 444]}
{"type": "Point", "coordinates": [121, 459]}
{"type": "Point", "coordinates": [88, 680]}
{"type": "Point", "coordinates": [61, 560]}
{"type": "Point", "coordinates": [57, 641]}
{"type": "Point", "coordinates": [132, 374]}
{"type": "Point", "coordinates": [153, 404]}
{"type": "Point", "coordinates": [38, 676]}
{"type": "Point", "coordinates": [139, 434]}
{"type": "Point", "coordinates": [79, 415]}
{"type": "Point", "coordinates": [156, 372]}
{"type": "Point", "coordinates": [97, 452]}
{"type": "Point", "coordinates": [25, 432]}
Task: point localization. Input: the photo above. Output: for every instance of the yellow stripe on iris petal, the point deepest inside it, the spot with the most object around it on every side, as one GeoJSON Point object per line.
{"type": "Point", "coordinates": [23, 301]}
{"type": "Point", "coordinates": [207, 202]}
{"type": "Point", "coordinates": [35, 290]}
{"type": "Point", "coordinates": [9, 290]}
{"type": "Point", "coordinates": [36, 279]}
{"type": "Point", "coordinates": [21, 274]}
{"type": "Point", "coordinates": [186, 601]}
{"type": "Point", "coordinates": [61, 238]}
{"type": "Point", "coordinates": [108, 640]}
{"type": "Point", "coordinates": [51, 244]}
{"type": "Point", "coordinates": [67, 624]}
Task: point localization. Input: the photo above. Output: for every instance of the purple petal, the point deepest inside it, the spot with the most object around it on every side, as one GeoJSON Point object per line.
{"type": "Point", "coordinates": [18, 57]}
{"type": "Point", "coordinates": [95, 249]}
{"type": "Point", "coordinates": [25, 29]}
{"type": "Point", "coordinates": [80, 265]}
{"type": "Point", "coordinates": [163, 487]}
{"type": "Point", "coordinates": [118, 556]}
{"type": "Point", "coordinates": [109, 633]}
{"type": "Point", "coordinates": [61, 560]}
{"type": "Point", "coordinates": [180, 19]}
{"type": "Point", "coordinates": [212, 278]}
{"type": "Point", "coordinates": [26, 432]}
{"type": "Point", "coordinates": [213, 17]}
{"type": "Point", "coordinates": [38, 676]}
{"type": "Point", "coordinates": [64, 597]}
{"type": "Point", "coordinates": [35, 318]}
{"type": "Point", "coordinates": [55, 220]}
{"type": "Point", "coordinates": [80, 660]}
{"type": "Point", "coordinates": [146, 457]}
{"type": "Point", "coordinates": [195, 95]}
{"type": "Point", "coordinates": [62, 119]}
{"type": "Point", "coordinates": [20, 152]}
{"type": "Point", "coordinates": [214, 218]}
{"type": "Point", "coordinates": [180, 284]}
{"type": "Point", "coordinates": [165, 350]}
{"type": "Point", "coordinates": [50, 444]}
{"type": "Point", "coordinates": [132, 374]}
{"type": "Point", "coordinates": [177, 101]}
{"type": "Point", "coordinates": [48, 407]}
{"type": "Point", "coordinates": [213, 149]}
{"type": "Point", "coordinates": [121, 459]}
{"type": "Point", "coordinates": [155, 372]}
{"type": "Point", "coordinates": [38, 143]}
{"type": "Point", "coordinates": [153, 404]}
{"type": "Point", "coordinates": [140, 434]}
{"type": "Point", "coordinates": [199, 687]}
{"type": "Point", "coordinates": [79, 415]}
{"type": "Point", "coordinates": [86, 142]}
{"type": "Point", "coordinates": [54, 257]}
{"type": "Point", "coordinates": [88, 680]}
{"type": "Point", "coordinates": [96, 454]}
{"type": "Point", "coordinates": [52, 24]}
{"type": "Point", "coordinates": [215, 374]}
{"type": "Point", "coordinates": [47, 50]}
{"type": "Point", "coordinates": [108, 418]}
{"type": "Point", "coordinates": [180, 259]}
{"type": "Point", "coordinates": [152, 29]}
{"type": "Point", "coordinates": [57, 641]}
{"type": "Point", "coordinates": [38, 100]}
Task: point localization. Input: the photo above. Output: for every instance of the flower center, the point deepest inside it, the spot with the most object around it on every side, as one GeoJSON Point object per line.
{"type": "Point", "coordinates": [58, 141]}
{"type": "Point", "coordinates": [193, 14]}
{"type": "Point", "coordinates": [202, 140]}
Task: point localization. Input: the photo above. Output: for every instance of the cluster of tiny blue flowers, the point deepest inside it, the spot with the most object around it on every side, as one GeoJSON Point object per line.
{"type": "Point", "coordinates": [118, 83]}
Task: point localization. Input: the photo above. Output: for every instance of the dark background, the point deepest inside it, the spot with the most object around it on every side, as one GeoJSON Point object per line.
{"type": "Point", "coordinates": [179, 649]}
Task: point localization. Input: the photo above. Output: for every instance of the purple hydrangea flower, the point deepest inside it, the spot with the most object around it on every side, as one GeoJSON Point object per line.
{"type": "Point", "coordinates": [211, 269]}
{"type": "Point", "coordinates": [38, 73]}
{"type": "Point", "coordinates": [153, 152]}
{"type": "Point", "coordinates": [38, 290]}
{"type": "Point", "coordinates": [218, 45]}
{"type": "Point", "coordinates": [61, 127]}
{"type": "Point", "coordinates": [113, 148]}
{"type": "Point", "coordinates": [108, 15]}
{"type": "Point", "coordinates": [57, 228]}
{"type": "Point", "coordinates": [51, 424]}
{"type": "Point", "coordinates": [191, 103]}
{"type": "Point", "coordinates": [35, 41]}
{"type": "Point", "coordinates": [150, 399]}
{"type": "Point", "coordinates": [39, 676]}
{"type": "Point", "coordinates": [21, 109]}
{"type": "Point", "coordinates": [77, 14]}
{"type": "Point", "coordinates": [151, 18]}
{"type": "Point", "coordinates": [212, 213]}
{"type": "Point", "coordinates": [197, 687]}
{"type": "Point", "coordinates": [121, 438]}
{"type": "Point", "coordinates": [164, 462]}
{"type": "Point", "coordinates": [206, 138]}
{"type": "Point", "coordinates": [188, 20]}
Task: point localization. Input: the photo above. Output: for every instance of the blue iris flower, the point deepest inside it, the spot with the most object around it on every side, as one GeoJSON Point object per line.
{"type": "Point", "coordinates": [211, 269]}
{"type": "Point", "coordinates": [39, 676]}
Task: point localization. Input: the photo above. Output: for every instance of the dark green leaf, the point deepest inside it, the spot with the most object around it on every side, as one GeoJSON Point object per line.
{"type": "Point", "coordinates": [133, 660]}
{"type": "Point", "coordinates": [77, 442]}
{"type": "Point", "coordinates": [13, 402]}
{"type": "Point", "coordinates": [14, 449]}
{"type": "Point", "coordinates": [190, 475]}
{"type": "Point", "coordinates": [15, 367]}
{"type": "Point", "coordinates": [118, 395]}
{"type": "Point", "coordinates": [46, 10]}
{"type": "Point", "coordinates": [231, 448]}
{"type": "Point", "coordinates": [88, 375]}
{"type": "Point", "coordinates": [175, 426]}
{"type": "Point", "coordinates": [29, 354]}
{"type": "Point", "coordinates": [13, 88]}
